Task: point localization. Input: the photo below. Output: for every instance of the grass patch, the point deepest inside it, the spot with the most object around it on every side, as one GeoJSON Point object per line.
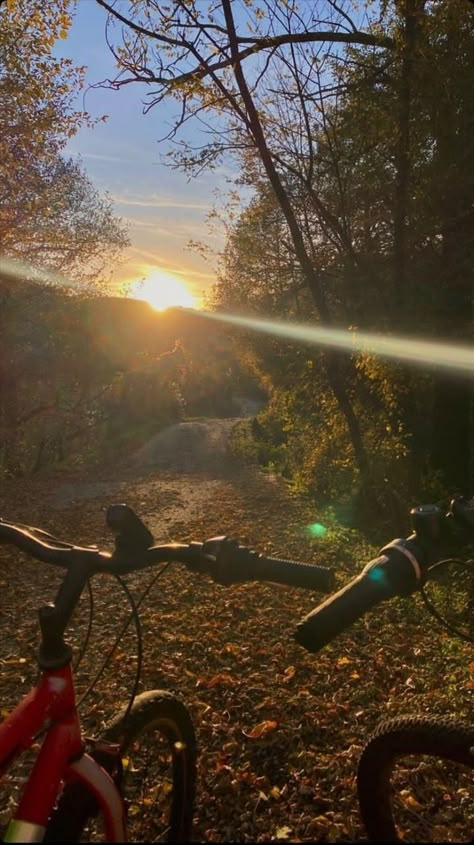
{"type": "Point", "coordinates": [242, 442]}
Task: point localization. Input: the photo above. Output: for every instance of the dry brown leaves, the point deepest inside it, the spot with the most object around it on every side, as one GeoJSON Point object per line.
{"type": "Point", "coordinates": [279, 730]}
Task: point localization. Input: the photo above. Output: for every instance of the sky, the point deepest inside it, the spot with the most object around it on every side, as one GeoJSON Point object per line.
{"type": "Point", "coordinates": [164, 210]}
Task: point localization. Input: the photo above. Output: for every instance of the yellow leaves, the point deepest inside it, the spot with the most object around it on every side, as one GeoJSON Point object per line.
{"type": "Point", "coordinates": [266, 703]}
{"type": "Point", "coordinates": [133, 810]}
{"type": "Point", "coordinates": [13, 661]}
{"type": "Point", "coordinates": [189, 673]}
{"type": "Point", "coordinates": [289, 673]}
{"type": "Point", "coordinates": [261, 729]}
{"type": "Point", "coordinates": [343, 661]}
{"type": "Point", "coordinates": [409, 800]}
{"type": "Point", "coordinates": [64, 22]}
{"type": "Point", "coordinates": [283, 832]}
{"type": "Point", "coordinates": [232, 648]}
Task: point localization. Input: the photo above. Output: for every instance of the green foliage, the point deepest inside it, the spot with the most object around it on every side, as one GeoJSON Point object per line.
{"type": "Point", "coordinates": [356, 141]}
{"type": "Point", "coordinates": [270, 278]}
{"type": "Point", "coordinates": [244, 444]}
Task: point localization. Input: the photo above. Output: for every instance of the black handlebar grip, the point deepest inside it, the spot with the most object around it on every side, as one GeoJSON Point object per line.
{"type": "Point", "coordinates": [296, 574]}
{"type": "Point", "coordinates": [231, 563]}
{"type": "Point", "coordinates": [389, 575]}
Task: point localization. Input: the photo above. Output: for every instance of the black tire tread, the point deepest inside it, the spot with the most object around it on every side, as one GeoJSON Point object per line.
{"type": "Point", "coordinates": [76, 805]}
{"type": "Point", "coordinates": [175, 723]}
{"type": "Point", "coordinates": [439, 737]}
{"type": "Point", "coordinates": [144, 710]}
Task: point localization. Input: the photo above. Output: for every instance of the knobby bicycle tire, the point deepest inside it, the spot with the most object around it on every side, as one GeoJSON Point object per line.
{"type": "Point", "coordinates": [157, 711]}
{"type": "Point", "coordinates": [439, 738]}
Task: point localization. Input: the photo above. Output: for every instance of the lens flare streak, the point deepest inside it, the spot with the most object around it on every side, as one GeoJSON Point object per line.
{"type": "Point", "coordinates": [410, 350]}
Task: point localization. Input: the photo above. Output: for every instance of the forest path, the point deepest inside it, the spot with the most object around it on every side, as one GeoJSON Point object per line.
{"type": "Point", "coordinates": [183, 473]}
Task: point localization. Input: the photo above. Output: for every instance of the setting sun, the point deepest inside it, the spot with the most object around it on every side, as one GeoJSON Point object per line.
{"type": "Point", "coordinates": [162, 291]}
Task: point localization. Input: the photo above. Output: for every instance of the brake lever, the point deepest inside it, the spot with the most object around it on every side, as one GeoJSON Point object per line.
{"type": "Point", "coordinates": [230, 562]}
{"type": "Point", "coordinates": [131, 534]}
{"type": "Point", "coordinates": [212, 547]}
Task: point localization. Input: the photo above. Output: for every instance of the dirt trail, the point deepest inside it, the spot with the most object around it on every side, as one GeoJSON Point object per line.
{"type": "Point", "coordinates": [178, 477]}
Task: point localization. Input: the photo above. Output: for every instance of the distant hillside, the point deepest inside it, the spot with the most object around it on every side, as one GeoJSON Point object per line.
{"type": "Point", "coordinates": [77, 372]}
{"type": "Point", "coordinates": [125, 325]}
{"type": "Point", "coordinates": [119, 327]}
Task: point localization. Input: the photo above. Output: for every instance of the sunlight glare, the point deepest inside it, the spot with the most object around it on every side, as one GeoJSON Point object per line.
{"type": "Point", "coordinates": [163, 291]}
{"type": "Point", "coordinates": [411, 350]}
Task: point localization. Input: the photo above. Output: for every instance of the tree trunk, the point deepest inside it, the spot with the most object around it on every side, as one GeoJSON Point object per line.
{"type": "Point", "coordinates": [38, 464]}
{"type": "Point", "coordinates": [453, 393]}
{"type": "Point", "coordinates": [451, 446]}
{"type": "Point", "coordinates": [335, 373]}
{"type": "Point", "coordinates": [411, 12]}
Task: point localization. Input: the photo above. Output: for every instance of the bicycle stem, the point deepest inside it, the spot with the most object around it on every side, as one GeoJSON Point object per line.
{"type": "Point", "coordinates": [54, 652]}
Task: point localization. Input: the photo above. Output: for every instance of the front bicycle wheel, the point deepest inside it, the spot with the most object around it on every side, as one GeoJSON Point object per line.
{"type": "Point", "coordinates": [156, 776]}
{"type": "Point", "coordinates": [415, 781]}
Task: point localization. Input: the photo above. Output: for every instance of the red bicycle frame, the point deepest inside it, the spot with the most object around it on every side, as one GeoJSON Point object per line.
{"type": "Point", "coordinates": [51, 706]}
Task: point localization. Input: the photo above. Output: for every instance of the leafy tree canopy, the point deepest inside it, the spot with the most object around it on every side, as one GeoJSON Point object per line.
{"type": "Point", "coordinates": [50, 214]}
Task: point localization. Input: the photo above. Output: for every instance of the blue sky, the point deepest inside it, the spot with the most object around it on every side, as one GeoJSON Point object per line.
{"type": "Point", "coordinates": [164, 210]}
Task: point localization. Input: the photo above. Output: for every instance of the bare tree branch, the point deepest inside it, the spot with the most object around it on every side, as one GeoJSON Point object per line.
{"type": "Point", "coordinates": [205, 67]}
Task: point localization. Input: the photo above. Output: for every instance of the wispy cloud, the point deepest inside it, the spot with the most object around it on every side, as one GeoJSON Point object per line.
{"type": "Point", "coordinates": [159, 202]}
{"type": "Point", "coordinates": [147, 230]}
{"type": "Point", "coordinates": [158, 261]}
{"type": "Point", "coordinates": [154, 228]}
{"type": "Point", "coordinates": [106, 157]}
{"type": "Point", "coordinates": [155, 257]}
{"type": "Point", "coordinates": [195, 274]}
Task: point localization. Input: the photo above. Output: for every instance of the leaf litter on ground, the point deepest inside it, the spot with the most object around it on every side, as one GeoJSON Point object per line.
{"type": "Point", "coordinates": [271, 719]}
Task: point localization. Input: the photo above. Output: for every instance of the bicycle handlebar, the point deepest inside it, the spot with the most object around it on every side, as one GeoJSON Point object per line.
{"type": "Point", "coordinates": [400, 569]}
{"type": "Point", "coordinates": [224, 559]}
{"type": "Point", "coordinates": [391, 574]}
{"type": "Point", "coordinates": [43, 546]}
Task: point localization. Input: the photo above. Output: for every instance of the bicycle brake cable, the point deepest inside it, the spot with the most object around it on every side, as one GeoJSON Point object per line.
{"type": "Point", "coordinates": [138, 629]}
{"type": "Point", "coordinates": [135, 605]}
{"type": "Point", "coordinates": [89, 627]}
{"type": "Point", "coordinates": [431, 608]}
{"type": "Point", "coordinates": [132, 616]}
